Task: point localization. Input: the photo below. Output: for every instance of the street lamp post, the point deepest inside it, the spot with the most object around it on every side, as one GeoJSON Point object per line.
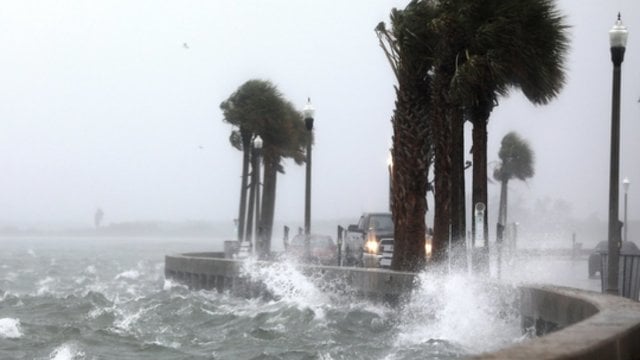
{"type": "Point", "coordinates": [618, 40]}
{"type": "Point", "coordinates": [390, 168]}
{"type": "Point", "coordinates": [309, 113]}
{"type": "Point", "coordinates": [257, 147]}
{"type": "Point", "coordinates": [254, 195]}
{"type": "Point", "coordinates": [625, 184]}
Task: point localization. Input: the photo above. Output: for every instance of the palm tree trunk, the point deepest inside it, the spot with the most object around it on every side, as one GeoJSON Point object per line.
{"type": "Point", "coordinates": [409, 176]}
{"type": "Point", "coordinates": [502, 213]}
{"type": "Point", "coordinates": [502, 222]}
{"type": "Point", "coordinates": [458, 213]}
{"type": "Point", "coordinates": [246, 148]}
{"type": "Point", "coordinates": [442, 195]}
{"type": "Point", "coordinates": [268, 201]}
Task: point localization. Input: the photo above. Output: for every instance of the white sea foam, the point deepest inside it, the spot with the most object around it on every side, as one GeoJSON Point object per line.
{"type": "Point", "coordinates": [44, 285]}
{"type": "Point", "coordinates": [459, 309]}
{"type": "Point", "coordinates": [128, 319]}
{"type": "Point", "coordinates": [286, 283]}
{"type": "Point", "coordinates": [67, 351]}
{"type": "Point", "coordinates": [10, 328]}
{"type": "Point", "coordinates": [169, 344]}
{"type": "Point", "coordinates": [170, 284]}
{"type": "Point", "coordinates": [129, 274]}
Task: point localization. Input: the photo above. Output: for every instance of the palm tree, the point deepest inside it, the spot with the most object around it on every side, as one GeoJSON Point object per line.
{"type": "Point", "coordinates": [406, 46]}
{"type": "Point", "coordinates": [258, 108]}
{"type": "Point", "coordinates": [461, 55]}
{"type": "Point", "coordinates": [503, 45]}
{"type": "Point", "coordinates": [292, 137]}
{"type": "Point", "coordinates": [516, 162]}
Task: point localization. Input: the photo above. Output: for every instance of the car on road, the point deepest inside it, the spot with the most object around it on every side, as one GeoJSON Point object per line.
{"type": "Point", "coordinates": [370, 242]}
{"type": "Point", "coordinates": [322, 248]}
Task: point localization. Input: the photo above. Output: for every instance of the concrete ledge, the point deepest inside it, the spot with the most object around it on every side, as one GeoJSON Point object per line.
{"type": "Point", "coordinates": [581, 324]}
{"type": "Point", "coordinates": [591, 326]}
{"type": "Point", "coordinates": [211, 270]}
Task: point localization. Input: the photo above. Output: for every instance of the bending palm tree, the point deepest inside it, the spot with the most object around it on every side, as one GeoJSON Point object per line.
{"type": "Point", "coordinates": [516, 162]}
{"type": "Point", "coordinates": [504, 44]}
{"type": "Point", "coordinates": [406, 46]}
{"type": "Point", "coordinates": [258, 108]}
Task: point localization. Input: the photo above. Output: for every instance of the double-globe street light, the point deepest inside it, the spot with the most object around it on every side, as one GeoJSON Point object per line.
{"type": "Point", "coordinates": [308, 111]}
{"type": "Point", "coordinates": [618, 41]}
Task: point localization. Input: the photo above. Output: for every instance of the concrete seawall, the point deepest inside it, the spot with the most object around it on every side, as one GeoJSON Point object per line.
{"type": "Point", "coordinates": [212, 270]}
{"type": "Point", "coordinates": [577, 324]}
{"type": "Point", "coordinates": [570, 323]}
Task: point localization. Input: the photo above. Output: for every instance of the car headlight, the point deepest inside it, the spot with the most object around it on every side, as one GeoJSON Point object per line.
{"type": "Point", "coordinates": [371, 246]}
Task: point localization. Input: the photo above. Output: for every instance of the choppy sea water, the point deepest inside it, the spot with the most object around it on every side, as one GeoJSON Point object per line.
{"type": "Point", "coordinates": [107, 298]}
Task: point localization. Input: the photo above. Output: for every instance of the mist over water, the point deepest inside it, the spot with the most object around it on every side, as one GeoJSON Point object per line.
{"type": "Point", "coordinates": [106, 298]}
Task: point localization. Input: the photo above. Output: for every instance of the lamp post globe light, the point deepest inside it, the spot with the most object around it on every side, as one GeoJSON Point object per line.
{"type": "Point", "coordinates": [309, 112]}
{"type": "Point", "coordinates": [625, 184]}
{"type": "Point", "coordinates": [618, 41]}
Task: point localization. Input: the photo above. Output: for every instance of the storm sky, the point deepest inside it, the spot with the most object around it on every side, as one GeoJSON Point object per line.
{"type": "Point", "coordinates": [115, 104]}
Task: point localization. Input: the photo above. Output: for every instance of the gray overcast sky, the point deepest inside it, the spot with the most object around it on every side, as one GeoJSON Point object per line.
{"type": "Point", "coordinates": [101, 105]}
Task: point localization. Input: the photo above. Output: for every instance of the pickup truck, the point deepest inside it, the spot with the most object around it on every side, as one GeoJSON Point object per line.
{"type": "Point", "coordinates": [370, 242]}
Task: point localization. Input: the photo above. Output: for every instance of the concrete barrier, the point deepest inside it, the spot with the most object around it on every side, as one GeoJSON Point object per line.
{"type": "Point", "coordinates": [569, 323]}
{"type": "Point", "coordinates": [584, 325]}
{"type": "Point", "coordinates": [212, 270]}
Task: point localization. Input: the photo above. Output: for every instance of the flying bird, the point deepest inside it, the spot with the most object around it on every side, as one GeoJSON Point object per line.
{"type": "Point", "coordinates": [185, 45]}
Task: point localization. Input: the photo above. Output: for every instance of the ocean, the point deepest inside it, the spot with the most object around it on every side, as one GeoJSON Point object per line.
{"type": "Point", "coordinates": [67, 298]}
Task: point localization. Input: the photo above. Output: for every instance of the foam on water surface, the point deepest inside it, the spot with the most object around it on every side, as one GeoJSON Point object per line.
{"type": "Point", "coordinates": [67, 351]}
{"type": "Point", "coordinates": [10, 328]}
{"type": "Point", "coordinates": [129, 274]}
{"type": "Point", "coordinates": [286, 282]}
{"type": "Point", "coordinates": [458, 309]}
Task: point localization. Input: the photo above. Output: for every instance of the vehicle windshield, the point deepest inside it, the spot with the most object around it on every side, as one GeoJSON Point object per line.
{"type": "Point", "coordinates": [381, 223]}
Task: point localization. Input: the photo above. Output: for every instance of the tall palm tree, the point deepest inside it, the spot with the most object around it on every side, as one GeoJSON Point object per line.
{"type": "Point", "coordinates": [407, 45]}
{"type": "Point", "coordinates": [502, 45]}
{"type": "Point", "coordinates": [258, 108]}
{"type": "Point", "coordinates": [516, 162]}
{"type": "Point", "coordinates": [292, 137]}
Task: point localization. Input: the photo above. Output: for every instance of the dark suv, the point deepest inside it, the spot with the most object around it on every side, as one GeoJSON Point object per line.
{"type": "Point", "coordinates": [371, 237]}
